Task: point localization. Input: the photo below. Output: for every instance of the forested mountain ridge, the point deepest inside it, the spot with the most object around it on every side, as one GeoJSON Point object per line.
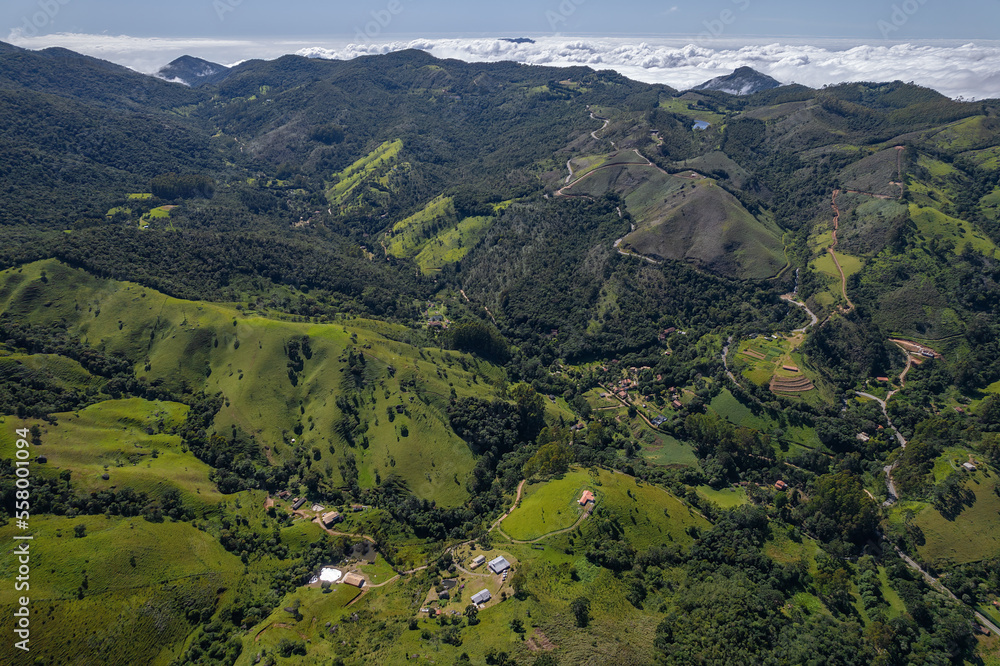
{"type": "Point", "coordinates": [442, 300]}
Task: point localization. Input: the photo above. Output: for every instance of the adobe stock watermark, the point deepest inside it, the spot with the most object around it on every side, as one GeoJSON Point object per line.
{"type": "Point", "coordinates": [381, 19]}
{"type": "Point", "coordinates": [565, 9]}
{"type": "Point", "coordinates": [46, 14]}
{"type": "Point", "coordinates": [899, 17]}
{"type": "Point", "coordinates": [716, 27]}
{"type": "Point", "coordinates": [223, 7]}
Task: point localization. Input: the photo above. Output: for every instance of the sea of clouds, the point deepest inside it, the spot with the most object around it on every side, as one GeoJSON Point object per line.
{"type": "Point", "coordinates": [969, 70]}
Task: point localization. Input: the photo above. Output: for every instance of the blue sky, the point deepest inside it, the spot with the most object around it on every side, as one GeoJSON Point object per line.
{"type": "Point", "coordinates": [863, 20]}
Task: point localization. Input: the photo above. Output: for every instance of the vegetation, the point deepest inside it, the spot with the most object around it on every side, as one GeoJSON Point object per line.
{"type": "Point", "coordinates": [371, 287]}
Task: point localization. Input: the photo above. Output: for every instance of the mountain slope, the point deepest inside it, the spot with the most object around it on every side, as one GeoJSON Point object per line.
{"type": "Point", "coordinates": [743, 81]}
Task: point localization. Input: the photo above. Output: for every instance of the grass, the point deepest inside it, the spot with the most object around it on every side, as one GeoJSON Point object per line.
{"type": "Point", "coordinates": [972, 536]}
{"type": "Point", "coordinates": [727, 498]}
{"type": "Point", "coordinates": [669, 452]}
{"type": "Point", "coordinates": [135, 612]}
{"type": "Point", "coordinates": [932, 223]}
{"type": "Point", "coordinates": [450, 246]}
{"type": "Point", "coordinates": [688, 108]}
{"type": "Point", "coordinates": [648, 515]}
{"type": "Point", "coordinates": [435, 236]}
{"type": "Point", "coordinates": [125, 439]}
{"type": "Point", "coordinates": [726, 405]}
{"type": "Point", "coordinates": [692, 220]}
{"type": "Point", "coordinates": [214, 347]}
{"type": "Point", "coordinates": [548, 506]}
{"type": "Point", "coordinates": [357, 179]}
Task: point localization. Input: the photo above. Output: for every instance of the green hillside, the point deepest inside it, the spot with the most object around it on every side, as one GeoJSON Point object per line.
{"type": "Point", "coordinates": [128, 588]}
{"type": "Point", "coordinates": [284, 400]}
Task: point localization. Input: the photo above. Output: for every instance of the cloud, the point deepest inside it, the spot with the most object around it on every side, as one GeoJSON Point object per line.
{"type": "Point", "coordinates": [970, 70]}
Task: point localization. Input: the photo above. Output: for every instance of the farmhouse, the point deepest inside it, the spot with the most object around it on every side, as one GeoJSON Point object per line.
{"type": "Point", "coordinates": [862, 436]}
{"type": "Point", "coordinates": [354, 579]}
{"type": "Point", "coordinates": [481, 597]}
{"type": "Point", "coordinates": [586, 498]}
{"type": "Point", "coordinates": [477, 562]}
{"type": "Point", "coordinates": [882, 379]}
{"type": "Point", "coordinates": [332, 518]}
{"type": "Point", "coordinates": [298, 502]}
{"type": "Point", "coordinates": [499, 565]}
{"type": "Point", "coordinates": [780, 485]}
{"type": "Point", "coordinates": [969, 466]}
{"type": "Point", "coordinates": [790, 368]}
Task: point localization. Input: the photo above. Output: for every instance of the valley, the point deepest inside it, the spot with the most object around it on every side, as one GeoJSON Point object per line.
{"type": "Point", "coordinates": [553, 366]}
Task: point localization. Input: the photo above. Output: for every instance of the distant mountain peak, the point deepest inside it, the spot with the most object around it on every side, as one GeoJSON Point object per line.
{"type": "Point", "coordinates": [743, 81]}
{"type": "Point", "coordinates": [192, 71]}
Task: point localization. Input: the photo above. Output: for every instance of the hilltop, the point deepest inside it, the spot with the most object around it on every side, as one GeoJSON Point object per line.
{"type": "Point", "coordinates": [390, 314]}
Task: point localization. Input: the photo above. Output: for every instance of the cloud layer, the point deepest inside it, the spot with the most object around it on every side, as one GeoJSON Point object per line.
{"type": "Point", "coordinates": [970, 70]}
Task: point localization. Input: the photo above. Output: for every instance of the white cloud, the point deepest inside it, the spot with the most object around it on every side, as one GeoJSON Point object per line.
{"type": "Point", "coordinates": [969, 70]}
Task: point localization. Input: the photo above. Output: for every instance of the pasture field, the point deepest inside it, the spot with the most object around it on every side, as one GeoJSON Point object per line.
{"type": "Point", "coordinates": [690, 109]}
{"type": "Point", "coordinates": [690, 219]}
{"type": "Point", "coordinates": [549, 506]}
{"type": "Point", "coordinates": [727, 498]}
{"type": "Point", "coordinates": [932, 223]}
{"type": "Point", "coordinates": [126, 588]}
{"type": "Point", "coordinates": [127, 440]}
{"type": "Point", "coordinates": [285, 401]}
{"type": "Point", "coordinates": [971, 536]}
{"type": "Point", "coordinates": [668, 451]}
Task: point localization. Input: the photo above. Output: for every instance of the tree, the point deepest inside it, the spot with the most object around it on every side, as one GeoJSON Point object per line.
{"type": "Point", "coordinates": [580, 607]}
{"type": "Point", "coordinates": [472, 612]}
{"type": "Point", "coordinates": [79, 530]}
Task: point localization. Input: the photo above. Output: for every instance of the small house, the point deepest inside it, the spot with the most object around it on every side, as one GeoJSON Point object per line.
{"type": "Point", "coordinates": [862, 437]}
{"type": "Point", "coordinates": [284, 494]}
{"type": "Point", "coordinates": [354, 579]}
{"type": "Point", "coordinates": [332, 518]}
{"type": "Point", "coordinates": [499, 565]}
{"type": "Point", "coordinates": [969, 467]}
{"type": "Point", "coordinates": [481, 597]}
{"type": "Point", "coordinates": [881, 379]}
{"type": "Point", "coordinates": [298, 502]}
{"type": "Point", "coordinates": [780, 485]}
{"type": "Point", "coordinates": [790, 368]}
{"type": "Point", "coordinates": [586, 498]}
{"type": "Point", "coordinates": [477, 562]}
{"type": "Point", "coordinates": [677, 403]}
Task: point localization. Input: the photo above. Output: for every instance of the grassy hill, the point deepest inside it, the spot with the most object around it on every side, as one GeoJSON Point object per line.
{"type": "Point", "coordinates": [689, 219]}
{"type": "Point", "coordinates": [129, 441]}
{"type": "Point", "coordinates": [127, 592]}
{"type": "Point", "coordinates": [284, 403]}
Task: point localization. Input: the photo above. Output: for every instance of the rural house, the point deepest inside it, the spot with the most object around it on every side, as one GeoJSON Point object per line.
{"type": "Point", "coordinates": [499, 565]}
{"type": "Point", "coordinates": [481, 597]}
{"type": "Point", "coordinates": [478, 561]}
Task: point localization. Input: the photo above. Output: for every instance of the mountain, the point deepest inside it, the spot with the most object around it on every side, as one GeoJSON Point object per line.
{"type": "Point", "coordinates": [193, 71]}
{"type": "Point", "coordinates": [743, 81]}
{"type": "Point", "coordinates": [395, 314]}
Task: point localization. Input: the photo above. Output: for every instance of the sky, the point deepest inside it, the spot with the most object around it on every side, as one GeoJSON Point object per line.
{"type": "Point", "coordinates": [951, 45]}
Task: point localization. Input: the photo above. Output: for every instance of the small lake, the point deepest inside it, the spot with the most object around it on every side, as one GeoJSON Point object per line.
{"type": "Point", "coordinates": [700, 125]}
